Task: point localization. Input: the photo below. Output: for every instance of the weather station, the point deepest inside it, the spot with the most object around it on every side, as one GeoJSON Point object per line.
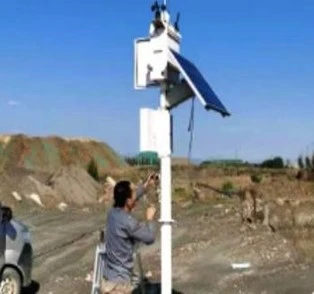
{"type": "Point", "coordinates": [158, 63]}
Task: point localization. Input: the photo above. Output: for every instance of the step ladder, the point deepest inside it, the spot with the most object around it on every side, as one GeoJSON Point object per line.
{"type": "Point", "coordinates": [100, 255]}
{"type": "Point", "coordinates": [99, 264]}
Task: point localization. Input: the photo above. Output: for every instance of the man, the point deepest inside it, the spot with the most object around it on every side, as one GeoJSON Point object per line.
{"type": "Point", "coordinates": [122, 232]}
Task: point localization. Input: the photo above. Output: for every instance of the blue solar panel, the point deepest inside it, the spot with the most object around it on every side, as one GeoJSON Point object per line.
{"type": "Point", "coordinates": [199, 85]}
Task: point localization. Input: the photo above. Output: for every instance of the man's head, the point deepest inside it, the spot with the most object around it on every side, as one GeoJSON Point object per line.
{"type": "Point", "coordinates": [124, 195]}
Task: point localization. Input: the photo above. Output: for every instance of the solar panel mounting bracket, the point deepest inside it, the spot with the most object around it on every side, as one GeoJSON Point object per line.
{"type": "Point", "coordinates": [178, 93]}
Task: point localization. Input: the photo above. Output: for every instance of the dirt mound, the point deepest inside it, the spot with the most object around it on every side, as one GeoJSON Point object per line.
{"type": "Point", "coordinates": [67, 186]}
{"type": "Point", "coordinates": [75, 186]}
{"type": "Point", "coordinates": [51, 153]}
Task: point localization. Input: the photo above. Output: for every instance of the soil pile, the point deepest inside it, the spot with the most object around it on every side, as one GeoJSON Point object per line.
{"type": "Point", "coordinates": [51, 153]}
{"type": "Point", "coordinates": [75, 186]}
{"type": "Point", "coordinates": [67, 186]}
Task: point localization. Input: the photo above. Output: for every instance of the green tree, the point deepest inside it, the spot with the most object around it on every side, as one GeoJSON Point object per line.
{"type": "Point", "coordinates": [308, 163]}
{"type": "Point", "coordinates": [276, 162]}
{"type": "Point", "coordinates": [92, 169]}
{"type": "Point", "coordinates": [301, 162]}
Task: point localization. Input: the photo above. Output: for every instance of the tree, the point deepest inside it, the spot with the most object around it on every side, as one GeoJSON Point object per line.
{"type": "Point", "coordinates": [92, 169]}
{"type": "Point", "coordinates": [301, 162]}
{"type": "Point", "coordinates": [308, 163]}
{"type": "Point", "coordinates": [276, 162]}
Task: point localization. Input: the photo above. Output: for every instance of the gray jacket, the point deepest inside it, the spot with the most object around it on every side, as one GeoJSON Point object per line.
{"type": "Point", "coordinates": [122, 232]}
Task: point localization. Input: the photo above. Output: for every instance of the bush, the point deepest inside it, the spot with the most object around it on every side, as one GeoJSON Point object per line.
{"type": "Point", "coordinates": [92, 169]}
{"type": "Point", "coordinates": [255, 178]}
{"type": "Point", "coordinates": [276, 162]}
{"type": "Point", "coordinates": [227, 187]}
{"type": "Point", "coordinates": [181, 193]}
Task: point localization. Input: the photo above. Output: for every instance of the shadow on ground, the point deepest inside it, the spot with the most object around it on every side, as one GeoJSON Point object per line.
{"type": "Point", "coordinates": [152, 288]}
{"type": "Point", "coordinates": [33, 288]}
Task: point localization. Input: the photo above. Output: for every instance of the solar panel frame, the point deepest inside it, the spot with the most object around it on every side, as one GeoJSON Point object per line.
{"type": "Point", "coordinates": [198, 84]}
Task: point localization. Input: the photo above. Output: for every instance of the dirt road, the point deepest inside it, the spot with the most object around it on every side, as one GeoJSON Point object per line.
{"type": "Point", "coordinates": [64, 244]}
{"type": "Point", "coordinates": [206, 242]}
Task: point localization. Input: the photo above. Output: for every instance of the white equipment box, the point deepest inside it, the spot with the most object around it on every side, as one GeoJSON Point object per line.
{"type": "Point", "coordinates": [156, 131]}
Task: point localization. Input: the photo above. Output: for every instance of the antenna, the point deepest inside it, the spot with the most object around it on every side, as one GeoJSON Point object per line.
{"type": "Point", "coordinates": [176, 24]}
{"type": "Point", "coordinates": [156, 8]}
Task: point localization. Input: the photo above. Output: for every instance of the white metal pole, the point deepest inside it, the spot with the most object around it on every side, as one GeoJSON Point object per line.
{"type": "Point", "coordinates": [166, 218]}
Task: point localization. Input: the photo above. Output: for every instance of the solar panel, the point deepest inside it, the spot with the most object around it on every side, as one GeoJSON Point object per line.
{"type": "Point", "coordinates": [198, 84]}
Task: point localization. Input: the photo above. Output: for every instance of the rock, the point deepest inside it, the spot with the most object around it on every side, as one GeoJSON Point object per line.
{"type": "Point", "coordinates": [62, 206]}
{"type": "Point", "coordinates": [89, 277]}
{"type": "Point", "coordinates": [36, 198]}
{"type": "Point", "coordinates": [110, 181]}
{"type": "Point", "coordinates": [16, 196]}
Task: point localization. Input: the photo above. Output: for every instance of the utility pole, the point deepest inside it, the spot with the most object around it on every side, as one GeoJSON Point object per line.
{"type": "Point", "coordinates": [159, 64]}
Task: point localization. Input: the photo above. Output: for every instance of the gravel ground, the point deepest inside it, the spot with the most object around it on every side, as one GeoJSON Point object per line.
{"type": "Point", "coordinates": [206, 241]}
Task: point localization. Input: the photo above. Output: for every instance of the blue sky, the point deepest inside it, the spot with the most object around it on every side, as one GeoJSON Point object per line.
{"type": "Point", "coordinates": [66, 68]}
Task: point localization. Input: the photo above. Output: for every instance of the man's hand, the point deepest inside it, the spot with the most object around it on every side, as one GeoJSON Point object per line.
{"type": "Point", "coordinates": [150, 180]}
{"type": "Point", "coordinates": [150, 213]}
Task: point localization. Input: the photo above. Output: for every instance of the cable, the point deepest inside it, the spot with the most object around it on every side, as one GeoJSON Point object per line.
{"type": "Point", "coordinates": [191, 130]}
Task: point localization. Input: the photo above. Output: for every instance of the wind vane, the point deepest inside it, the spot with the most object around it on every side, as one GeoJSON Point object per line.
{"type": "Point", "coordinates": [159, 64]}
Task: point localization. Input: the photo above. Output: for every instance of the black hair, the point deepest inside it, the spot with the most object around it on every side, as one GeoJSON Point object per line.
{"type": "Point", "coordinates": [122, 191]}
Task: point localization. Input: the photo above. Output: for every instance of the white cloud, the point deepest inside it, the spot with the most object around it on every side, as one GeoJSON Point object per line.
{"type": "Point", "coordinates": [13, 103]}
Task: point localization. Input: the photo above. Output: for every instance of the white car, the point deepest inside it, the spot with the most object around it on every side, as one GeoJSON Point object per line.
{"type": "Point", "coordinates": [16, 254]}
